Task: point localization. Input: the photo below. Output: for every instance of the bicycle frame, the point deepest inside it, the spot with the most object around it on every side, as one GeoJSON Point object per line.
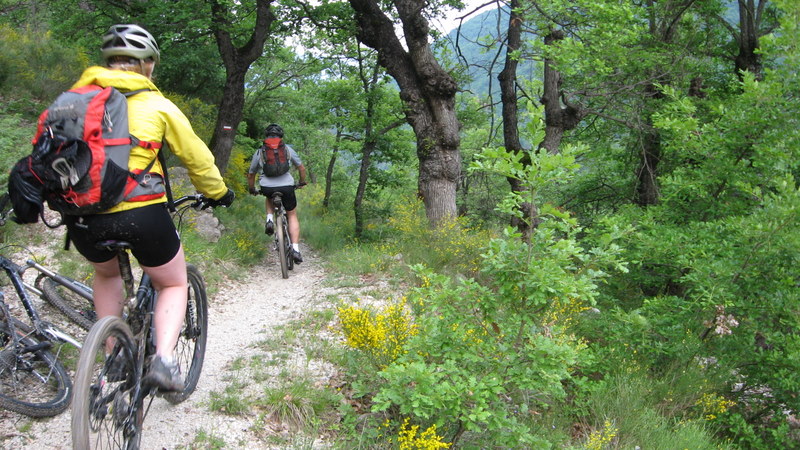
{"type": "Point", "coordinates": [42, 328]}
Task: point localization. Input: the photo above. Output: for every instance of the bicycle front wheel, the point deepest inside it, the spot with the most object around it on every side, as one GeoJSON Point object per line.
{"type": "Point", "coordinates": [106, 410]}
{"type": "Point", "coordinates": [280, 230]}
{"type": "Point", "coordinates": [78, 308]}
{"type": "Point", "coordinates": [191, 349]}
{"type": "Point", "coordinates": [32, 381]}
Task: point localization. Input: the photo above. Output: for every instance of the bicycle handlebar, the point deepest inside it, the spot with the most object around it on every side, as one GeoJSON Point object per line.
{"type": "Point", "coordinates": [198, 202]}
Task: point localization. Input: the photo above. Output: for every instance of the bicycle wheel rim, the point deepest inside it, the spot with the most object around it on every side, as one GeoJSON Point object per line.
{"type": "Point", "coordinates": [32, 382]}
{"type": "Point", "coordinates": [282, 253]}
{"type": "Point", "coordinates": [106, 411]}
{"type": "Point", "coordinates": [191, 348]}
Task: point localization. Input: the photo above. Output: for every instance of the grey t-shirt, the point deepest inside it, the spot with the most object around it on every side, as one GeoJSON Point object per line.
{"type": "Point", "coordinates": [284, 180]}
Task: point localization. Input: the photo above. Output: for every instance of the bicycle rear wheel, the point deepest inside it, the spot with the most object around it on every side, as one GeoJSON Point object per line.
{"type": "Point", "coordinates": [32, 381]}
{"type": "Point", "coordinates": [280, 229]}
{"type": "Point", "coordinates": [106, 412]}
{"type": "Point", "coordinates": [78, 308]}
{"type": "Point", "coordinates": [191, 349]}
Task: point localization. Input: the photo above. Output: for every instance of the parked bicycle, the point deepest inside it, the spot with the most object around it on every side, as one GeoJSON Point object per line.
{"type": "Point", "coordinates": [283, 240]}
{"type": "Point", "coordinates": [110, 400]}
{"type": "Point", "coordinates": [33, 380]}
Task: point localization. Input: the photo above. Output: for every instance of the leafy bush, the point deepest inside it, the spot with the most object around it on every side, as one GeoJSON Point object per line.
{"type": "Point", "coordinates": [33, 63]}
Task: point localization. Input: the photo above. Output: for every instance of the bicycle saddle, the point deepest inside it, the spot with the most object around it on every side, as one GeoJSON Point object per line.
{"type": "Point", "coordinates": [113, 244]}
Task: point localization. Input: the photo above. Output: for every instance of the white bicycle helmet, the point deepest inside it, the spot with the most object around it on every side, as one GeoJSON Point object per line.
{"type": "Point", "coordinates": [129, 40]}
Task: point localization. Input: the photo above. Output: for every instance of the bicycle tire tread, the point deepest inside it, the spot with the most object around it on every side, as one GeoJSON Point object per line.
{"type": "Point", "coordinates": [51, 294]}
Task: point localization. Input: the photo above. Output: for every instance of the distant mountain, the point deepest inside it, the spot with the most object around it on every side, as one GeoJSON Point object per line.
{"type": "Point", "coordinates": [475, 45]}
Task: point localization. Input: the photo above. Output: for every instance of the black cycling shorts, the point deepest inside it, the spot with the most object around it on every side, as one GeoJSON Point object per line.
{"type": "Point", "coordinates": [289, 200]}
{"type": "Point", "coordinates": [149, 229]}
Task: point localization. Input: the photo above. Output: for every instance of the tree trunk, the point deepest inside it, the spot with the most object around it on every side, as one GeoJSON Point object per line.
{"type": "Point", "coordinates": [647, 186]}
{"type": "Point", "coordinates": [428, 94]}
{"type": "Point", "coordinates": [329, 171]}
{"type": "Point", "coordinates": [228, 117]}
{"type": "Point", "coordinates": [508, 97]}
{"type": "Point", "coordinates": [363, 175]}
{"type": "Point", "coordinates": [558, 119]}
{"type": "Point", "coordinates": [748, 59]}
{"type": "Point", "coordinates": [237, 61]}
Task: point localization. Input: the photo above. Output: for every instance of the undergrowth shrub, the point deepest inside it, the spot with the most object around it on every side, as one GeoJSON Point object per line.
{"type": "Point", "coordinates": [495, 353]}
{"type": "Point", "coordinates": [380, 333]}
{"type": "Point", "coordinates": [32, 62]}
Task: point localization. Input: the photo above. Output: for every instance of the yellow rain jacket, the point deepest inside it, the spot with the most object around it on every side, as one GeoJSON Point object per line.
{"type": "Point", "coordinates": [154, 118]}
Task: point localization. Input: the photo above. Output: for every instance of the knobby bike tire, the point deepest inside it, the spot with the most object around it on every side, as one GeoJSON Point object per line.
{"type": "Point", "coordinates": [283, 255]}
{"type": "Point", "coordinates": [191, 349]}
{"type": "Point", "coordinates": [105, 413]}
{"type": "Point", "coordinates": [32, 381]}
{"type": "Point", "coordinates": [78, 308]}
{"type": "Point", "coordinates": [289, 251]}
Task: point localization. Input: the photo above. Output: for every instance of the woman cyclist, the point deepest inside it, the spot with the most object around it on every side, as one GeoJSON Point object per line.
{"type": "Point", "coordinates": [131, 54]}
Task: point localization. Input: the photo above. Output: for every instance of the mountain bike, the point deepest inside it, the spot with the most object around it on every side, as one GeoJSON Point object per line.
{"type": "Point", "coordinates": [33, 380]}
{"type": "Point", "coordinates": [283, 241]}
{"type": "Point", "coordinates": [110, 400]}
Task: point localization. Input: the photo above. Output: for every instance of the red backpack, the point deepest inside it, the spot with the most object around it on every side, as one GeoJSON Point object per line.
{"type": "Point", "coordinates": [79, 162]}
{"type": "Point", "coordinates": [274, 157]}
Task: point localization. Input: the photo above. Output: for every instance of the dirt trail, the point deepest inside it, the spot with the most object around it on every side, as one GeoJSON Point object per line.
{"type": "Point", "coordinates": [240, 315]}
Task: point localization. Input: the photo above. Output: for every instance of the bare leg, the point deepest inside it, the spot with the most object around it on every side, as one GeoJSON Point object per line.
{"type": "Point", "coordinates": [170, 281]}
{"type": "Point", "coordinates": [294, 226]}
{"type": "Point", "coordinates": [270, 208]}
{"type": "Point", "coordinates": [109, 295]}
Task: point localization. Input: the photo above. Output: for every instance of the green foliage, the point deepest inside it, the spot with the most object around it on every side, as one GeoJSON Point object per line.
{"type": "Point", "coordinates": [713, 273]}
{"type": "Point", "coordinates": [629, 411]}
{"type": "Point", "coordinates": [201, 115]}
{"type": "Point", "coordinates": [33, 63]}
{"type": "Point", "coordinates": [551, 341]}
{"type": "Point", "coordinates": [483, 350]}
{"type": "Point", "coordinates": [15, 140]}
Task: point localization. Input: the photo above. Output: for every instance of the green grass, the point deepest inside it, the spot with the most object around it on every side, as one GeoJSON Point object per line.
{"type": "Point", "coordinates": [231, 401]}
{"type": "Point", "coordinates": [297, 403]}
{"type": "Point", "coordinates": [638, 407]}
{"type": "Point", "coordinates": [207, 440]}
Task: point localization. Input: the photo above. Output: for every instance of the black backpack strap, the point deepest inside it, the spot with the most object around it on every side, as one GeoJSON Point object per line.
{"type": "Point", "coordinates": [167, 188]}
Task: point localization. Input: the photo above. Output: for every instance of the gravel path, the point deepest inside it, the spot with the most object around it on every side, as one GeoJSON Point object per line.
{"type": "Point", "coordinates": [240, 315]}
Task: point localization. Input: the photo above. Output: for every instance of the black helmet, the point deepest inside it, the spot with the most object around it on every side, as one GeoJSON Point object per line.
{"type": "Point", "coordinates": [274, 129]}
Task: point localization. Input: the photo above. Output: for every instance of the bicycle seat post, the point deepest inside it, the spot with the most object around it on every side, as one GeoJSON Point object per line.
{"type": "Point", "coordinates": [277, 200]}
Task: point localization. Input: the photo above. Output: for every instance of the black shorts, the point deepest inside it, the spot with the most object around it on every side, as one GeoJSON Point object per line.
{"type": "Point", "coordinates": [289, 200]}
{"type": "Point", "coordinates": [149, 229]}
